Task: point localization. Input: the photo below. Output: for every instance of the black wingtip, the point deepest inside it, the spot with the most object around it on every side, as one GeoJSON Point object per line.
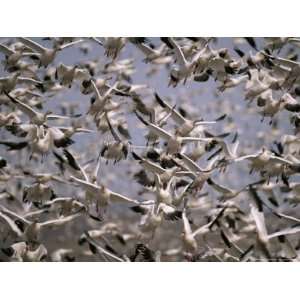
{"type": "Point", "coordinates": [95, 218]}
{"type": "Point", "coordinates": [63, 142]}
{"type": "Point", "coordinates": [239, 52]}
{"type": "Point", "coordinates": [225, 239]}
{"type": "Point", "coordinates": [251, 42]}
{"type": "Point", "coordinates": [159, 100]}
{"type": "Point", "coordinates": [8, 251]}
{"type": "Point", "coordinates": [3, 163]}
{"type": "Point", "coordinates": [10, 97]}
{"type": "Point", "coordinates": [246, 252]}
{"type": "Point", "coordinates": [135, 156]}
{"type": "Point", "coordinates": [167, 42]}
{"type": "Point", "coordinates": [141, 119]}
{"type": "Point", "coordinates": [221, 118]}
{"type": "Point", "coordinates": [71, 160]}
{"type": "Point", "coordinates": [209, 181]}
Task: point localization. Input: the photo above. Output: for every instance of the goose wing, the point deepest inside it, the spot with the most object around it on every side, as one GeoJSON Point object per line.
{"type": "Point", "coordinates": [147, 50]}
{"type": "Point", "coordinates": [60, 221]}
{"type": "Point", "coordinates": [74, 164]}
{"type": "Point", "coordinates": [95, 247]}
{"type": "Point", "coordinates": [113, 132]}
{"type": "Point", "coordinates": [11, 224]}
{"type": "Point", "coordinates": [54, 117]}
{"type": "Point", "coordinates": [190, 163]}
{"type": "Point", "coordinates": [26, 109]}
{"type": "Point", "coordinates": [219, 188]}
{"type": "Point", "coordinates": [96, 90]}
{"type": "Point", "coordinates": [33, 45]}
{"type": "Point", "coordinates": [178, 53]}
{"type": "Point", "coordinates": [175, 115]}
{"type": "Point", "coordinates": [93, 188]}
{"type": "Point", "coordinates": [186, 224]}
{"type": "Point", "coordinates": [256, 210]}
{"type": "Point", "coordinates": [249, 156]}
{"type": "Point", "coordinates": [286, 231]}
{"type": "Point", "coordinates": [70, 44]}
{"type": "Point", "coordinates": [277, 159]}
{"type": "Point", "coordinates": [5, 50]}
{"type": "Point", "coordinates": [159, 131]}
{"type": "Point", "coordinates": [28, 80]}
{"type": "Point", "coordinates": [195, 139]}
{"type": "Point", "coordinates": [122, 198]}
{"type": "Point", "coordinates": [150, 166]}
{"type": "Point", "coordinates": [203, 229]}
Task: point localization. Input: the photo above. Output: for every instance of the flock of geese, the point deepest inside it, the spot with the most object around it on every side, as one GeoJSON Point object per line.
{"type": "Point", "coordinates": [126, 174]}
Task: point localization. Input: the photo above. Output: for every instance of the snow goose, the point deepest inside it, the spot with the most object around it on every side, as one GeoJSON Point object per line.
{"type": "Point", "coordinates": [116, 150]}
{"type": "Point", "coordinates": [7, 84]}
{"type": "Point", "coordinates": [185, 125]}
{"type": "Point", "coordinates": [12, 55]}
{"type": "Point", "coordinates": [101, 194]}
{"type": "Point", "coordinates": [189, 236]}
{"type": "Point", "coordinates": [174, 142]}
{"type": "Point", "coordinates": [259, 160]}
{"type": "Point", "coordinates": [67, 74]}
{"type": "Point", "coordinates": [185, 68]}
{"type": "Point", "coordinates": [45, 55]}
{"type": "Point", "coordinates": [34, 116]}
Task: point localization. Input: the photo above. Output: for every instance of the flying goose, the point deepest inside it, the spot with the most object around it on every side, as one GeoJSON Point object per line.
{"type": "Point", "coordinates": [12, 56]}
{"type": "Point", "coordinates": [69, 162]}
{"type": "Point", "coordinates": [185, 125]}
{"type": "Point", "coordinates": [165, 174]}
{"type": "Point", "coordinates": [228, 193]}
{"type": "Point", "coordinates": [255, 86]}
{"type": "Point", "coordinates": [22, 251]}
{"type": "Point", "coordinates": [96, 248]}
{"type": "Point", "coordinates": [37, 193]}
{"type": "Point", "coordinates": [67, 74]}
{"type": "Point", "coordinates": [287, 231]}
{"type": "Point", "coordinates": [7, 84]}
{"type": "Point", "coordinates": [188, 235]}
{"type": "Point", "coordinates": [154, 55]}
{"type": "Point", "coordinates": [102, 195]}
{"type": "Point", "coordinates": [185, 68]}
{"type": "Point", "coordinates": [63, 206]}
{"type": "Point", "coordinates": [46, 55]}
{"type": "Point", "coordinates": [34, 116]}
{"type": "Point", "coordinates": [30, 231]}
{"type": "Point", "coordinates": [259, 160]}
{"type": "Point", "coordinates": [174, 142]}
{"type": "Point", "coordinates": [113, 46]}
{"type": "Point", "coordinates": [116, 150]}
{"type": "Point", "coordinates": [98, 106]}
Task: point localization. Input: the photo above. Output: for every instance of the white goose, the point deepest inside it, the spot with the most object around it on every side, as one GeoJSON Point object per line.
{"type": "Point", "coordinates": [102, 195]}
{"type": "Point", "coordinates": [116, 150]}
{"type": "Point", "coordinates": [185, 125]}
{"type": "Point", "coordinates": [35, 117]}
{"type": "Point", "coordinates": [13, 55]}
{"type": "Point", "coordinates": [22, 251]}
{"type": "Point", "coordinates": [98, 106]}
{"type": "Point", "coordinates": [174, 142]}
{"type": "Point", "coordinates": [189, 237]}
{"type": "Point", "coordinates": [46, 55]}
{"type": "Point", "coordinates": [7, 84]}
{"type": "Point", "coordinates": [185, 68]}
{"type": "Point", "coordinates": [31, 231]}
{"type": "Point", "coordinates": [154, 55]}
{"type": "Point", "coordinates": [67, 74]}
{"type": "Point", "coordinates": [259, 160]}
